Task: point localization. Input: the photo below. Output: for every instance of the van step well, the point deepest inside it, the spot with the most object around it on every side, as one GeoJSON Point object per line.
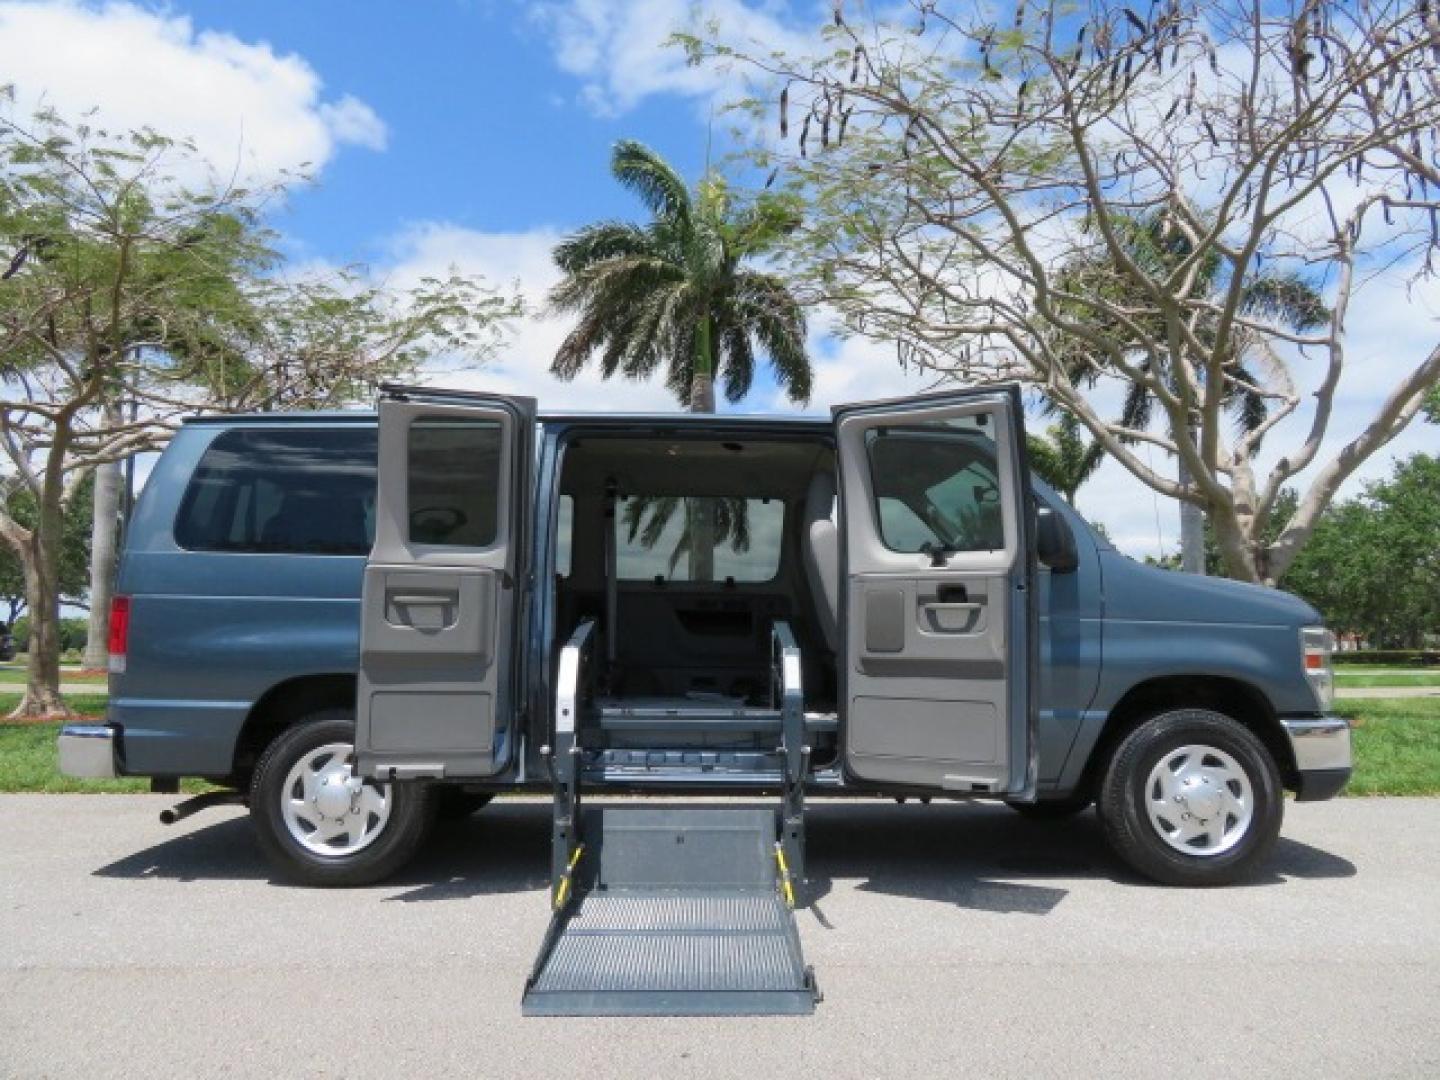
{"type": "Point", "coordinates": [673, 910]}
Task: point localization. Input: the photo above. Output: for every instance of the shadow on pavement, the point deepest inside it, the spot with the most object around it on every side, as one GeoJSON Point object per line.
{"type": "Point", "coordinates": [979, 856]}
{"type": "Point", "coordinates": [225, 851]}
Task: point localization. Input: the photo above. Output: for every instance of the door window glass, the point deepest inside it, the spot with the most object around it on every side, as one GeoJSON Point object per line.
{"type": "Point", "coordinates": [698, 539]}
{"type": "Point", "coordinates": [564, 529]}
{"type": "Point", "coordinates": [296, 491]}
{"type": "Point", "coordinates": [454, 481]}
{"type": "Point", "coordinates": [937, 484]}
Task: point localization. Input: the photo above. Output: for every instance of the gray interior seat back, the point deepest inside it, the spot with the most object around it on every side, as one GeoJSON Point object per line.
{"type": "Point", "coordinates": [822, 555]}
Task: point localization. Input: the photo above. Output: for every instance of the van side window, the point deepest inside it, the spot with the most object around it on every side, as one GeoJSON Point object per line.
{"type": "Point", "coordinates": [936, 484]}
{"type": "Point", "coordinates": [454, 481]}
{"type": "Point", "coordinates": [297, 491]}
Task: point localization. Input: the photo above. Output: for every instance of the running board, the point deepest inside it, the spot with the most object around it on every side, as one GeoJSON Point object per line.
{"type": "Point", "coordinates": [674, 911]}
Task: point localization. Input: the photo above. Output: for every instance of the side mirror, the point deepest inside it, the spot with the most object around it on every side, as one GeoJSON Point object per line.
{"type": "Point", "coordinates": [1054, 542]}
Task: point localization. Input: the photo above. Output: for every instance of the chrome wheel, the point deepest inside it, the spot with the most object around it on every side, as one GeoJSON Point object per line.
{"type": "Point", "coordinates": [1199, 800]}
{"type": "Point", "coordinates": [327, 808]}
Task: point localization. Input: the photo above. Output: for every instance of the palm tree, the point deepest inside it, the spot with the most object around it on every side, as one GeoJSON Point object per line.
{"type": "Point", "coordinates": [675, 292]}
{"type": "Point", "coordinates": [1063, 457]}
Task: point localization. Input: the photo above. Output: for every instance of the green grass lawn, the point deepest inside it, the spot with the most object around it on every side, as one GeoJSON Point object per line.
{"type": "Point", "coordinates": [1397, 750]}
{"type": "Point", "coordinates": [14, 673]}
{"type": "Point", "coordinates": [1360, 677]}
{"type": "Point", "coordinates": [28, 759]}
{"type": "Point", "coordinates": [1397, 746]}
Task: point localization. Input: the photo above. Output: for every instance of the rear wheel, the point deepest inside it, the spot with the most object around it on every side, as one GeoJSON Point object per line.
{"type": "Point", "coordinates": [1192, 797]}
{"type": "Point", "coordinates": [320, 824]}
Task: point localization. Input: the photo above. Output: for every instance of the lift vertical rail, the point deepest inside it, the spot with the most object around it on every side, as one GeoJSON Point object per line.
{"type": "Point", "coordinates": [790, 849]}
{"type": "Point", "coordinates": [566, 843]}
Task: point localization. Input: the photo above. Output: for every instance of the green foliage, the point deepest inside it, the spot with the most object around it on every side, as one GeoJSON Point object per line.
{"type": "Point", "coordinates": [73, 633]}
{"type": "Point", "coordinates": [74, 552]}
{"type": "Point", "coordinates": [675, 292]}
{"type": "Point", "coordinates": [1373, 564]}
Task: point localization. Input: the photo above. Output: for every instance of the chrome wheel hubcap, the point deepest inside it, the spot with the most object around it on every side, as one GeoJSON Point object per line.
{"type": "Point", "coordinates": [1199, 800]}
{"type": "Point", "coordinates": [327, 808]}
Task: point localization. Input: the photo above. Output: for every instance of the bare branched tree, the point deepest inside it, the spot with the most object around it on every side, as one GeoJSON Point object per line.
{"type": "Point", "coordinates": [961, 162]}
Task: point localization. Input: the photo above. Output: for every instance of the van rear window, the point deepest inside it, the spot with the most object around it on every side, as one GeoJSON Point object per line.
{"type": "Point", "coordinates": [299, 492]}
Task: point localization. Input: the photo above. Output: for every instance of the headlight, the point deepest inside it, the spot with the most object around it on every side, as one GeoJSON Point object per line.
{"type": "Point", "coordinates": [1316, 645]}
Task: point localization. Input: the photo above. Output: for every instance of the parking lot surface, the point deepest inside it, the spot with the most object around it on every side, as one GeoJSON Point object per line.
{"type": "Point", "coordinates": [949, 941]}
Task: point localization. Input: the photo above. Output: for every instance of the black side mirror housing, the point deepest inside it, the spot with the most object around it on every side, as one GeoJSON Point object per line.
{"type": "Point", "coordinates": [1054, 542]}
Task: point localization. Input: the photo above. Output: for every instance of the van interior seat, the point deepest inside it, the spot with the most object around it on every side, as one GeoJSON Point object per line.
{"type": "Point", "coordinates": [822, 555]}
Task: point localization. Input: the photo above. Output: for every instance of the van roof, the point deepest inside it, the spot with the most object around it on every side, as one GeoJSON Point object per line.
{"type": "Point", "coordinates": [367, 416]}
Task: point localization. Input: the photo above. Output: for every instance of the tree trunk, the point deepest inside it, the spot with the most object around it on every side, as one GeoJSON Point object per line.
{"type": "Point", "coordinates": [701, 510]}
{"type": "Point", "coordinates": [1192, 529]}
{"type": "Point", "coordinates": [702, 393]}
{"type": "Point", "coordinates": [42, 698]}
{"type": "Point", "coordinates": [104, 532]}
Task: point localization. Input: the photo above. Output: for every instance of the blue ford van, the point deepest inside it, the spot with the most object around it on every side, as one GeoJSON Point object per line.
{"type": "Point", "coordinates": [354, 622]}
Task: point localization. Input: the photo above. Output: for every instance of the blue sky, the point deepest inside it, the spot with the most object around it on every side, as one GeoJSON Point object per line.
{"type": "Point", "coordinates": [474, 133]}
{"type": "Point", "coordinates": [485, 131]}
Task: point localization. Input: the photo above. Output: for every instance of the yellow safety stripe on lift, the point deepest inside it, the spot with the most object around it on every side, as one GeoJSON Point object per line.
{"type": "Point", "coordinates": [786, 888]}
{"type": "Point", "coordinates": [562, 891]}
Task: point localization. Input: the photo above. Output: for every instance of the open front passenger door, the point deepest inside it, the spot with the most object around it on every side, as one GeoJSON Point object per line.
{"type": "Point", "coordinates": [938, 603]}
{"type": "Point", "coordinates": [441, 597]}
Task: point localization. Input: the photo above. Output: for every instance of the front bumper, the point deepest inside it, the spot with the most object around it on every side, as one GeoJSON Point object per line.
{"type": "Point", "coordinates": [1321, 745]}
{"type": "Point", "coordinates": [89, 751]}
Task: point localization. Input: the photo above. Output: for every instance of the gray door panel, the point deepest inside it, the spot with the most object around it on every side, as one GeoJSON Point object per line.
{"type": "Point", "coordinates": [936, 645]}
{"type": "Point", "coordinates": [440, 603]}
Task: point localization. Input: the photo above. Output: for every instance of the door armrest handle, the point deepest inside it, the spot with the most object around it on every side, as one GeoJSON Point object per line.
{"type": "Point", "coordinates": [952, 605]}
{"type": "Point", "coordinates": [424, 599]}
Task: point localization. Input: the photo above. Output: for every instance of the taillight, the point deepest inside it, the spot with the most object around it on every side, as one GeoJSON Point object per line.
{"type": "Point", "coordinates": [1316, 645]}
{"type": "Point", "coordinates": [119, 632]}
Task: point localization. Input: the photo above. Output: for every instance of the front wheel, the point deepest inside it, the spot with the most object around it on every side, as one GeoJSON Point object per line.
{"type": "Point", "coordinates": [320, 824]}
{"type": "Point", "coordinates": [1191, 797]}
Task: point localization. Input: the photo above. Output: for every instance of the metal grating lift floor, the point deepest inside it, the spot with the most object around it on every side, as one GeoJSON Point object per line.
{"type": "Point", "coordinates": [725, 944]}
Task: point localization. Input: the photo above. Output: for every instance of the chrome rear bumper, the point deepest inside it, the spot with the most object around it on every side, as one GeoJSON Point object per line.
{"type": "Point", "coordinates": [87, 751]}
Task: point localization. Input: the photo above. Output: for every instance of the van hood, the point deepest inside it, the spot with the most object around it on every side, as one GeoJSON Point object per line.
{"type": "Point", "coordinates": [1134, 590]}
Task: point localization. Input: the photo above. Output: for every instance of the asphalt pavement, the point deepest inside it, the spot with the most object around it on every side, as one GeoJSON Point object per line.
{"type": "Point", "coordinates": [948, 940]}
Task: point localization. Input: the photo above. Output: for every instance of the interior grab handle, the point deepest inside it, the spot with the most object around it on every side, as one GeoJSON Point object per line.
{"type": "Point", "coordinates": [952, 605]}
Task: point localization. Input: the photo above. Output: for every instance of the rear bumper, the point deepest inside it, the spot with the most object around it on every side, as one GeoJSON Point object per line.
{"type": "Point", "coordinates": [1322, 755]}
{"type": "Point", "coordinates": [89, 751]}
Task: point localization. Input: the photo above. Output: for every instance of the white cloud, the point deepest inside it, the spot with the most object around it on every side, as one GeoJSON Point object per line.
{"type": "Point", "coordinates": [248, 108]}
{"type": "Point", "coordinates": [620, 49]}
{"type": "Point", "coordinates": [506, 261]}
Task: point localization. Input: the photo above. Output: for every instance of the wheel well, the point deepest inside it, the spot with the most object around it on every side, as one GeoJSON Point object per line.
{"type": "Point", "coordinates": [1233, 697]}
{"type": "Point", "coordinates": [281, 706]}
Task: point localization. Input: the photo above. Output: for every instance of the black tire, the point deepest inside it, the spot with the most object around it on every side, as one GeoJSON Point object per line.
{"type": "Point", "coordinates": [456, 804]}
{"type": "Point", "coordinates": [412, 812]}
{"type": "Point", "coordinates": [1052, 809]}
{"type": "Point", "coordinates": [1138, 841]}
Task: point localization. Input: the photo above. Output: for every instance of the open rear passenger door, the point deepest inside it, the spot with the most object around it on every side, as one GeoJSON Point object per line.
{"type": "Point", "coordinates": [938, 598]}
{"type": "Point", "coordinates": [441, 602]}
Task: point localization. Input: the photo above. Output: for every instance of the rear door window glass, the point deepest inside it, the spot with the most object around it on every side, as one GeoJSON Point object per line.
{"type": "Point", "coordinates": [454, 480]}
{"type": "Point", "coordinates": [936, 484]}
{"type": "Point", "coordinates": [296, 491]}
{"type": "Point", "coordinates": [698, 539]}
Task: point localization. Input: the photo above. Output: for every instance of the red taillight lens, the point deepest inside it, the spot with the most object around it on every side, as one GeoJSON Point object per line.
{"type": "Point", "coordinates": [119, 631]}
